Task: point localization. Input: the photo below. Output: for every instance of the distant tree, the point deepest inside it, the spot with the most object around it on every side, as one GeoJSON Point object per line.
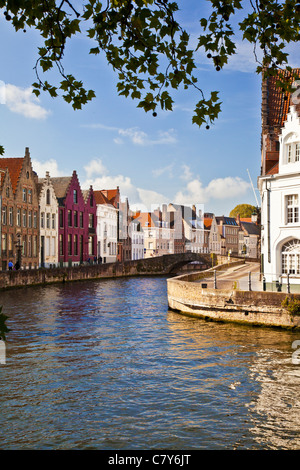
{"type": "Point", "coordinates": [149, 49]}
{"type": "Point", "coordinates": [243, 210]}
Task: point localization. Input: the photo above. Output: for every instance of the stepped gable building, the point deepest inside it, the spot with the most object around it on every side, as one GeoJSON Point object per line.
{"type": "Point", "coordinates": [107, 228]}
{"type": "Point", "coordinates": [90, 223]}
{"type": "Point", "coordinates": [19, 212]}
{"type": "Point", "coordinates": [229, 229]}
{"type": "Point", "coordinates": [74, 233]}
{"type": "Point", "coordinates": [48, 205]}
{"type": "Point", "coordinates": [275, 106]}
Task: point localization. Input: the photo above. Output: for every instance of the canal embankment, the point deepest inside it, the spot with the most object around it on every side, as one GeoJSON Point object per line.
{"type": "Point", "coordinates": [218, 297]}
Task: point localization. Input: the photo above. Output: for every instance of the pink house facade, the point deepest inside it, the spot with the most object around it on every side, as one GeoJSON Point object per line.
{"type": "Point", "coordinates": [76, 221]}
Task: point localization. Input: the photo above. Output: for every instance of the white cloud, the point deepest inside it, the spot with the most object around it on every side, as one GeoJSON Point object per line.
{"type": "Point", "coordinates": [137, 136]}
{"type": "Point", "coordinates": [95, 167]}
{"type": "Point", "coordinates": [161, 171]}
{"type": "Point", "coordinates": [50, 165]}
{"type": "Point", "coordinates": [187, 174]}
{"type": "Point", "coordinates": [23, 101]}
{"type": "Point", "coordinates": [219, 189]}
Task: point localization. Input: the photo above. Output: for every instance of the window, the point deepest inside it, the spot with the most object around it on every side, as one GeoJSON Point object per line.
{"type": "Point", "coordinates": [4, 242]}
{"type": "Point", "coordinates": [69, 218]}
{"type": "Point", "coordinates": [75, 244]}
{"type": "Point", "coordinates": [24, 195]}
{"type": "Point", "coordinates": [81, 219]}
{"type": "Point", "coordinates": [30, 245]}
{"type": "Point", "coordinates": [297, 152]}
{"type": "Point", "coordinates": [91, 246]}
{"type": "Point", "coordinates": [290, 257]}
{"type": "Point", "coordinates": [69, 244]}
{"type": "Point", "coordinates": [292, 209]}
{"type": "Point", "coordinates": [4, 215]}
{"type": "Point", "coordinates": [30, 219]}
{"type": "Point", "coordinates": [289, 153]}
{"type": "Point", "coordinates": [42, 220]}
{"type": "Point", "coordinates": [48, 196]}
{"type": "Point", "coordinates": [53, 250]}
{"type": "Point", "coordinates": [34, 246]}
{"type": "Point", "coordinates": [48, 220]}
{"type": "Point", "coordinates": [35, 219]}
{"type": "Point", "coordinates": [61, 218]}
{"type": "Point", "coordinates": [19, 217]}
{"type": "Point", "coordinates": [75, 219]}
{"type": "Point", "coordinates": [30, 196]}
{"type": "Point", "coordinates": [53, 220]}
{"type": "Point", "coordinates": [292, 152]}
{"type": "Point", "coordinates": [75, 196]}
{"type": "Point", "coordinates": [91, 220]}
{"type": "Point", "coordinates": [7, 191]}
{"type": "Point", "coordinates": [24, 218]}
{"type": "Point", "coordinates": [61, 244]}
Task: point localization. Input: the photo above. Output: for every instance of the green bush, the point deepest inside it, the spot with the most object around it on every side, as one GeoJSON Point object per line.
{"type": "Point", "coordinates": [292, 305]}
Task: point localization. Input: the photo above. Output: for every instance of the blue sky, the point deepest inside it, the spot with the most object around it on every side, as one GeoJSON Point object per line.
{"type": "Point", "coordinates": [110, 142]}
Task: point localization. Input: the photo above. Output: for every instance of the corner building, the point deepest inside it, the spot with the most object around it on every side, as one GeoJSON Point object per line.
{"type": "Point", "coordinates": [19, 212]}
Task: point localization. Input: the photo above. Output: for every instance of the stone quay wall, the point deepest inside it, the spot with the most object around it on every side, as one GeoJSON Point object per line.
{"type": "Point", "coordinates": [156, 266]}
{"type": "Point", "coordinates": [256, 308]}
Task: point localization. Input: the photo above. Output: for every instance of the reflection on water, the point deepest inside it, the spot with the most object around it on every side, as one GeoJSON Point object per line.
{"type": "Point", "coordinates": [105, 365]}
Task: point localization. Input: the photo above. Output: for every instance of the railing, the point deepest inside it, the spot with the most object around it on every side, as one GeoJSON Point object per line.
{"type": "Point", "coordinates": [254, 281]}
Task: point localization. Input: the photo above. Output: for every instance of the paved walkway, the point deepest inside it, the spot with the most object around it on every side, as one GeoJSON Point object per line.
{"type": "Point", "coordinates": [237, 276]}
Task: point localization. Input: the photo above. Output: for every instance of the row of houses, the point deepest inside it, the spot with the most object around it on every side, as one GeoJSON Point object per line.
{"type": "Point", "coordinates": [52, 221]}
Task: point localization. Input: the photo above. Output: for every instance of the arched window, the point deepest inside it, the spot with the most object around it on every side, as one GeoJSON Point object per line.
{"type": "Point", "coordinates": [290, 257]}
{"type": "Point", "coordinates": [48, 196]}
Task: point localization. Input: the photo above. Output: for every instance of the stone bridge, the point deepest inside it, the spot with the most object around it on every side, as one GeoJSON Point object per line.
{"type": "Point", "coordinates": [160, 265]}
{"type": "Point", "coordinates": [168, 264]}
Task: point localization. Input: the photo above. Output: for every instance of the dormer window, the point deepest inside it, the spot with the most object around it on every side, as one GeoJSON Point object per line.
{"type": "Point", "coordinates": [292, 152]}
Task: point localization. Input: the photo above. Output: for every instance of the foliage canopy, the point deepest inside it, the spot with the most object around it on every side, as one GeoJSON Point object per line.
{"type": "Point", "coordinates": [149, 49]}
{"type": "Point", "coordinates": [243, 210]}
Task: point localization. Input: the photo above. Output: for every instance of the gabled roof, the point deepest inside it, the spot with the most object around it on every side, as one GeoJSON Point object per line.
{"type": "Point", "coordinates": [147, 219]}
{"type": "Point", "coordinates": [112, 195]}
{"type": "Point", "coordinates": [251, 228]}
{"type": "Point", "coordinates": [61, 185]}
{"type": "Point", "coordinates": [14, 166]}
{"type": "Point", "coordinates": [100, 198]}
{"type": "Point", "coordinates": [207, 222]}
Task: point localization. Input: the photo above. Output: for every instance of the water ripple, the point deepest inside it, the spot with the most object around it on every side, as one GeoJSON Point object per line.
{"type": "Point", "coordinates": [105, 365]}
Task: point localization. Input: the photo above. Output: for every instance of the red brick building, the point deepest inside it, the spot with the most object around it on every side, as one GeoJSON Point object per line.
{"type": "Point", "coordinates": [19, 212]}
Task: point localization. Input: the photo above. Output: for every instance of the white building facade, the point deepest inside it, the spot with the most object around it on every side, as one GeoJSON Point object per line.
{"type": "Point", "coordinates": [280, 194]}
{"type": "Point", "coordinates": [48, 255]}
{"type": "Point", "coordinates": [107, 233]}
{"type": "Point", "coordinates": [137, 240]}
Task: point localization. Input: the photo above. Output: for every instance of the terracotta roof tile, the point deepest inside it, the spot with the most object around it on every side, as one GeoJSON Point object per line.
{"type": "Point", "coordinates": [100, 198]}
{"type": "Point", "coordinates": [14, 166]}
{"type": "Point", "coordinates": [278, 107]}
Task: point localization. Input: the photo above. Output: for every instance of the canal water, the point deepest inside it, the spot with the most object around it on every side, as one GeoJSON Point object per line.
{"type": "Point", "coordinates": [105, 365]}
